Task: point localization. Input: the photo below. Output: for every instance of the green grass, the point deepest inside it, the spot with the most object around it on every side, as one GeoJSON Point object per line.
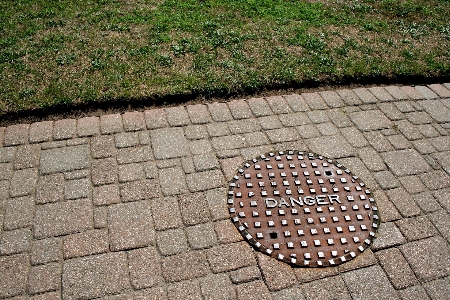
{"type": "Point", "coordinates": [67, 52]}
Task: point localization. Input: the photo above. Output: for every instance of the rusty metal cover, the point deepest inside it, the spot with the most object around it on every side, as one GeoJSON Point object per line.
{"type": "Point", "coordinates": [302, 209]}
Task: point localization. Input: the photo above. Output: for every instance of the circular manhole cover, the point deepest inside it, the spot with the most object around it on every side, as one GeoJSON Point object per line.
{"type": "Point", "coordinates": [303, 209]}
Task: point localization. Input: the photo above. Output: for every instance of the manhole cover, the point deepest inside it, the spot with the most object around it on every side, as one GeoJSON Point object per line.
{"type": "Point", "coordinates": [303, 209]}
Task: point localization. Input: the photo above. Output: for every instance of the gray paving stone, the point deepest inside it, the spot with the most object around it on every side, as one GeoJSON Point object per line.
{"type": "Point", "coordinates": [308, 131]}
{"type": "Point", "coordinates": [64, 129]}
{"type": "Point", "coordinates": [416, 228]}
{"type": "Point", "coordinates": [103, 146]}
{"type": "Point", "coordinates": [327, 129]}
{"type": "Point", "coordinates": [428, 130]}
{"type": "Point", "coordinates": [41, 131]}
{"type": "Point", "coordinates": [314, 101]}
{"type": "Point", "coordinates": [419, 117]}
{"type": "Point", "coordinates": [177, 116]}
{"type": "Point", "coordinates": [436, 110]}
{"type": "Point", "coordinates": [412, 92]}
{"type": "Point", "coordinates": [277, 275]}
{"type": "Point", "coordinates": [217, 287]}
{"type": "Point", "coordinates": [126, 139]}
{"type": "Point", "coordinates": [413, 184]}
{"type": "Point", "coordinates": [381, 94]}
{"type": "Point", "coordinates": [111, 123]}
{"type": "Point", "coordinates": [15, 241]}
{"type": "Point", "coordinates": [155, 118]}
{"type": "Point", "coordinates": [396, 92]}
{"type": "Point", "coordinates": [217, 204]}
{"type": "Point", "coordinates": [27, 156]}
{"type": "Point", "coordinates": [354, 137]}
{"type": "Point", "coordinates": [318, 116]}
{"type": "Point", "coordinates": [100, 217]}
{"type": "Point", "coordinates": [14, 270]}
{"type": "Point", "coordinates": [436, 180]}
{"type": "Point", "coordinates": [106, 195]}
{"type": "Point", "coordinates": [198, 113]}
{"type": "Point", "coordinates": [16, 135]}
{"type": "Point", "coordinates": [370, 120]}
{"type": "Point", "coordinates": [429, 258]}
{"type": "Point", "coordinates": [7, 154]}
{"type": "Point", "coordinates": [441, 221]}
{"type": "Point", "coordinates": [440, 90]}
{"type": "Point", "coordinates": [244, 126]}
{"type": "Point", "coordinates": [79, 188]}
{"type": "Point", "coordinates": [426, 202]}
{"type": "Point", "coordinates": [426, 92]}
{"type": "Point", "coordinates": [5, 171]}
{"type": "Point", "coordinates": [172, 241]}
{"type": "Point", "coordinates": [332, 147]}
{"type": "Point", "coordinates": [399, 142]}
{"type": "Point", "coordinates": [239, 109]}
{"type": "Point", "coordinates": [282, 135]}
{"type": "Point", "coordinates": [391, 111]}
{"type": "Point", "coordinates": [219, 112]}
{"type": "Point", "coordinates": [378, 141]}
{"type": "Point", "coordinates": [386, 180]}
{"type": "Point", "coordinates": [188, 289]}
{"type": "Point", "coordinates": [387, 209]}
{"type": "Point", "coordinates": [206, 180]}
{"type": "Point", "coordinates": [19, 212]}
{"type": "Point", "coordinates": [365, 96]}
{"type": "Point", "coordinates": [86, 243]}
{"type": "Point", "coordinates": [270, 122]}
{"type": "Point", "coordinates": [64, 159]}
{"type": "Point", "coordinates": [201, 236]}
{"type": "Point", "coordinates": [369, 283]}
{"type": "Point", "coordinates": [185, 266]}
{"type": "Point", "coordinates": [438, 289]}
{"type": "Point", "coordinates": [95, 276]}
{"type": "Point", "coordinates": [404, 202]}
{"type": "Point", "coordinates": [130, 172]}
{"type": "Point", "coordinates": [230, 257]}
{"type": "Point", "coordinates": [169, 143]}
{"type": "Point", "coordinates": [227, 232]}
{"type": "Point", "coordinates": [349, 97]}
{"type": "Point", "coordinates": [405, 162]}
{"type": "Point", "coordinates": [200, 146]}
{"type": "Point", "coordinates": [365, 259]}
{"type": "Point", "coordinates": [134, 154]}
{"type": "Point", "coordinates": [144, 267]}
{"type": "Point", "coordinates": [423, 146]}
{"type": "Point", "coordinates": [44, 278]}
{"type": "Point", "coordinates": [355, 165]}
{"type": "Point", "coordinates": [130, 225]}
{"type": "Point", "coordinates": [195, 132]}
{"type": "Point", "coordinates": [441, 143]}
{"type": "Point", "coordinates": [413, 293]}
{"type": "Point", "coordinates": [228, 142]}
{"type": "Point", "coordinates": [278, 105]}
{"type": "Point", "coordinates": [23, 182]}
{"type": "Point", "coordinates": [139, 190]}
{"type": "Point", "coordinates": [217, 129]}
{"type": "Point", "coordinates": [194, 209]}
{"type": "Point", "coordinates": [388, 236]}
{"type": "Point", "coordinates": [339, 118]}
{"type": "Point", "coordinates": [250, 289]}
{"type": "Point", "coordinates": [371, 159]}
{"type": "Point", "coordinates": [172, 181]}
{"type": "Point", "coordinates": [289, 293]}
{"type": "Point", "coordinates": [296, 102]}
{"type": "Point", "coordinates": [45, 251]}
{"type": "Point", "coordinates": [166, 213]}
{"type": "Point", "coordinates": [294, 119]}
{"type": "Point", "coordinates": [259, 107]}
{"type": "Point", "coordinates": [332, 99]}
{"type": "Point", "coordinates": [443, 197]}
{"type": "Point", "coordinates": [409, 130]}
{"type": "Point", "coordinates": [245, 274]}
{"type": "Point", "coordinates": [104, 171]}
{"type": "Point", "coordinates": [256, 139]}
{"type": "Point", "coordinates": [327, 288]}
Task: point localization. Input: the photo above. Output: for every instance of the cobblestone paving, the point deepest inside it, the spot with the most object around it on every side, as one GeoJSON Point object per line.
{"type": "Point", "coordinates": [133, 205]}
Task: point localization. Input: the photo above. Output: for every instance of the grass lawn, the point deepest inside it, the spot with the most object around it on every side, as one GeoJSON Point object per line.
{"type": "Point", "coordinates": [66, 52]}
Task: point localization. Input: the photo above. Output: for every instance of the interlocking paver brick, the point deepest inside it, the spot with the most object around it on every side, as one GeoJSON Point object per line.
{"type": "Point", "coordinates": [205, 162]}
{"type": "Point", "coordinates": [371, 159]}
{"type": "Point", "coordinates": [126, 139]}
{"type": "Point", "coordinates": [7, 154]}
{"type": "Point", "coordinates": [130, 172]}
{"type": "Point", "coordinates": [245, 274]}
{"type": "Point", "coordinates": [166, 213]}
{"type": "Point", "coordinates": [14, 270]}
{"type": "Point", "coordinates": [396, 92]}
{"type": "Point", "coordinates": [250, 153]}
{"type": "Point", "coordinates": [327, 288]}
{"type": "Point", "coordinates": [177, 116]}
{"type": "Point", "coordinates": [130, 225]}
{"type": "Point", "coordinates": [436, 110]}
{"type": "Point", "coordinates": [227, 232]}
{"type": "Point", "coordinates": [318, 116]}
{"type": "Point", "coordinates": [139, 190]}
{"type": "Point", "coordinates": [172, 181]}
{"type": "Point", "coordinates": [282, 135]}
{"type": "Point", "coordinates": [217, 203]}
{"type": "Point", "coordinates": [429, 258]}
{"type": "Point", "coordinates": [443, 197]}
{"type": "Point", "coordinates": [388, 236]}
{"type": "Point", "coordinates": [15, 241]}
{"type": "Point", "coordinates": [77, 141]}
{"type": "Point", "coordinates": [23, 182]}
{"type": "Point", "coordinates": [426, 92]}
{"type": "Point", "coordinates": [436, 180]}
{"type": "Point", "coordinates": [314, 101]}
{"type": "Point", "coordinates": [155, 118]}
{"type": "Point", "coordinates": [239, 109]}
{"type": "Point", "coordinates": [54, 144]}
{"type": "Point", "coordinates": [386, 180]}
{"type": "Point", "coordinates": [426, 202]}
{"type": "Point", "coordinates": [296, 102]}
{"type": "Point", "coordinates": [365, 259]}
{"type": "Point", "coordinates": [195, 132]}
{"type": "Point", "coordinates": [44, 278]}
{"type": "Point", "coordinates": [440, 90]}
{"type": "Point", "coordinates": [45, 251]}
{"type": "Point", "coordinates": [200, 146]}
{"type": "Point", "coordinates": [5, 171]}
{"type": "Point", "coordinates": [41, 131]}
{"type": "Point", "coordinates": [169, 143]}
{"type": "Point", "coordinates": [62, 218]}
{"type": "Point", "coordinates": [278, 105]}
{"type": "Point", "coordinates": [259, 107]}
{"type": "Point", "coordinates": [134, 154]}
{"type": "Point", "coordinates": [201, 236]}
{"type": "Point", "coordinates": [79, 188]}
{"type": "Point", "coordinates": [168, 163]}
{"type": "Point", "coordinates": [419, 117]}
{"type": "Point", "coordinates": [95, 276]}
{"type": "Point", "coordinates": [369, 283]}
{"type": "Point", "coordinates": [217, 287]}
{"type": "Point", "coordinates": [354, 137]}
{"type": "Point", "coordinates": [370, 120]}
{"type": "Point", "coordinates": [327, 129]}
{"type": "Point", "coordinates": [428, 130]}
{"type": "Point", "coordinates": [423, 146]}
{"type": "Point", "coordinates": [249, 290]}
{"type": "Point", "coordinates": [133, 121]}
{"type": "Point", "coordinates": [104, 171]}
{"type": "Point", "coordinates": [308, 131]}
{"type": "Point", "coordinates": [438, 289]}
{"type": "Point", "coordinates": [256, 138]}
{"type": "Point", "coordinates": [416, 228]}
{"type": "Point", "coordinates": [391, 111]}
{"type": "Point", "coordinates": [404, 202]}
{"type": "Point", "coordinates": [357, 166]}
{"type": "Point", "coordinates": [172, 241]}
{"type": "Point", "coordinates": [19, 212]}
{"type": "Point", "coordinates": [219, 112]}
{"type": "Point", "coordinates": [441, 143]}
{"type": "Point", "coordinates": [230, 257]}
{"type": "Point", "coordinates": [405, 106]}
{"type": "Point", "coordinates": [103, 146]}
{"type": "Point", "coordinates": [349, 97]}
{"type": "Point", "coordinates": [217, 129]}
{"type": "Point", "coordinates": [277, 275]}
{"type": "Point", "coordinates": [270, 122]}
{"type": "Point", "coordinates": [88, 126]}
{"type": "Point", "coordinates": [111, 123]}
{"type": "Point", "coordinates": [413, 293]}
{"type": "Point", "coordinates": [64, 129]}
{"type": "Point", "coordinates": [289, 293]}
{"type": "Point", "coordinates": [412, 184]}
{"type": "Point", "coordinates": [189, 289]}
{"type": "Point", "coordinates": [194, 209]}
{"type": "Point", "coordinates": [47, 296]}
{"type": "Point", "coordinates": [4, 189]}
{"type": "Point", "coordinates": [339, 118]}
{"type": "Point", "coordinates": [206, 180]}
{"type": "Point", "coordinates": [150, 170]}
{"type": "Point", "coordinates": [332, 147]}
{"type": "Point", "coordinates": [244, 126]}
{"type": "Point", "coordinates": [199, 114]}
{"type": "Point", "coordinates": [405, 162]}
{"type": "Point", "coordinates": [86, 243]}
{"type": "Point", "coordinates": [381, 94]}
{"type": "Point", "coordinates": [185, 266]}
{"type": "Point", "coordinates": [16, 135]}
{"type": "Point", "coordinates": [188, 165]}
{"type": "Point", "coordinates": [387, 209]}
{"type": "Point", "coordinates": [106, 194]}
{"type": "Point", "coordinates": [412, 92]}
{"type": "Point", "coordinates": [399, 142]}
{"type": "Point", "coordinates": [365, 96]}
{"type": "Point", "coordinates": [64, 159]}
{"type": "Point", "coordinates": [332, 99]}
{"type": "Point", "coordinates": [441, 221]}
{"type": "Point", "coordinates": [100, 217]}
{"type": "Point", "coordinates": [378, 141]}
{"type": "Point", "coordinates": [145, 268]}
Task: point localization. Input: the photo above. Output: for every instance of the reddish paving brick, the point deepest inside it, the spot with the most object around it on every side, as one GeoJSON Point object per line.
{"type": "Point", "coordinates": [27, 156]}
{"type": "Point", "coordinates": [426, 92]}
{"type": "Point", "coordinates": [145, 268]}
{"type": "Point", "coordinates": [130, 172]}
{"type": "Point", "coordinates": [64, 129]}
{"type": "Point", "coordinates": [412, 184]}
{"type": "Point", "coordinates": [100, 217]}
{"type": "Point", "coordinates": [47, 296]}
{"type": "Point", "coordinates": [14, 270]}
{"type": "Point", "coordinates": [396, 267]}
{"type": "Point", "coordinates": [106, 194]}
{"type": "Point", "coordinates": [172, 241]}
{"type": "Point", "coordinates": [85, 243]}
{"type": "Point", "coordinates": [230, 166]}
{"type": "Point", "coordinates": [194, 209]}
{"type": "Point", "coordinates": [185, 266]}
{"type": "Point", "coordinates": [62, 218]}
{"type": "Point", "coordinates": [155, 118]}
{"type": "Point", "coordinates": [184, 290]}
{"type": "Point", "coordinates": [111, 123]}
{"type": "Point", "coordinates": [104, 171]}
{"type": "Point", "coordinates": [391, 111]}
{"type": "Point", "coordinates": [46, 250]}
{"type": "Point", "coordinates": [245, 274]}
{"type": "Point", "coordinates": [440, 90]}
{"type": "Point", "coordinates": [139, 190]}
{"type": "Point", "coordinates": [23, 182]}
{"type": "Point", "coordinates": [50, 188]}
{"type": "Point", "coordinates": [412, 92]}
{"type": "Point", "coordinates": [219, 112]}
{"type": "Point", "coordinates": [201, 236]}
{"type": "Point", "coordinates": [227, 232]}
{"type": "Point", "coordinates": [230, 257]}
{"type": "Point", "coordinates": [217, 204]}
{"type": "Point", "coordinates": [283, 135]}
{"type": "Point", "coordinates": [416, 228]}
{"type": "Point", "coordinates": [239, 109]}
{"type": "Point", "coordinates": [436, 180]}
{"type": "Point", "coordinates": [133, 121]}
{"type": "Point", "coordinates": [19, 212]}
{"type": "Point", "coordinates": [404, 202]}
{"type": "Point", "coordinates": [327, 289]}
{"type": "Point", "coordinates": [15, 241]}
{"type": "Point", "coordinates": [365, 96]}
{"type": "Point", "coordinates": [95, 276]}
{"type": "Point", "coordinates": [198, 114]}
{"type": "Point", "coordinates": [103, 146]}
{"type": "Point", "coordinates": [177, 116]}
{"type": "Point", "coordinates": [130, 225]}
{"type": "Point", "coordinates": [277, 275]}
{"type": "Point", "coordinates": [365, 259]}
{"type": "Point", "coordinates": [202, 181]}
{"type": "Point", "coordinates": [381, 94]}
{"type": "Point", "coordinates": [41, 131]}
{"type": "Point", "coordinates": [413, 293]}
{"type": "Point", "coordinates": [396, 92]}
{"type": "Point", "coordinates": [16, 135]}
{"type": "Point", "coordinates": [44, 278]}
{"type": "Point", "coordinates": [88, 126]}
{"type": "Point", "coordinates": [166, 213]}
{"type": "Point", "coordinates": [217, 287]}
{"type": "Point", "coordinates": [251, 290]}
{"type": "Point", "coordinates": [310, 274]}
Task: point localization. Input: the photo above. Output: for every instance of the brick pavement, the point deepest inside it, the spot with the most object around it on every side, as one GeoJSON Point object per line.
{"type": "Point", "coordinates": [133, 205]}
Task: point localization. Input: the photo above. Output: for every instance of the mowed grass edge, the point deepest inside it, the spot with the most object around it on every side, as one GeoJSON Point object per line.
{"type": "Point", "coordinates": [68, 52]}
